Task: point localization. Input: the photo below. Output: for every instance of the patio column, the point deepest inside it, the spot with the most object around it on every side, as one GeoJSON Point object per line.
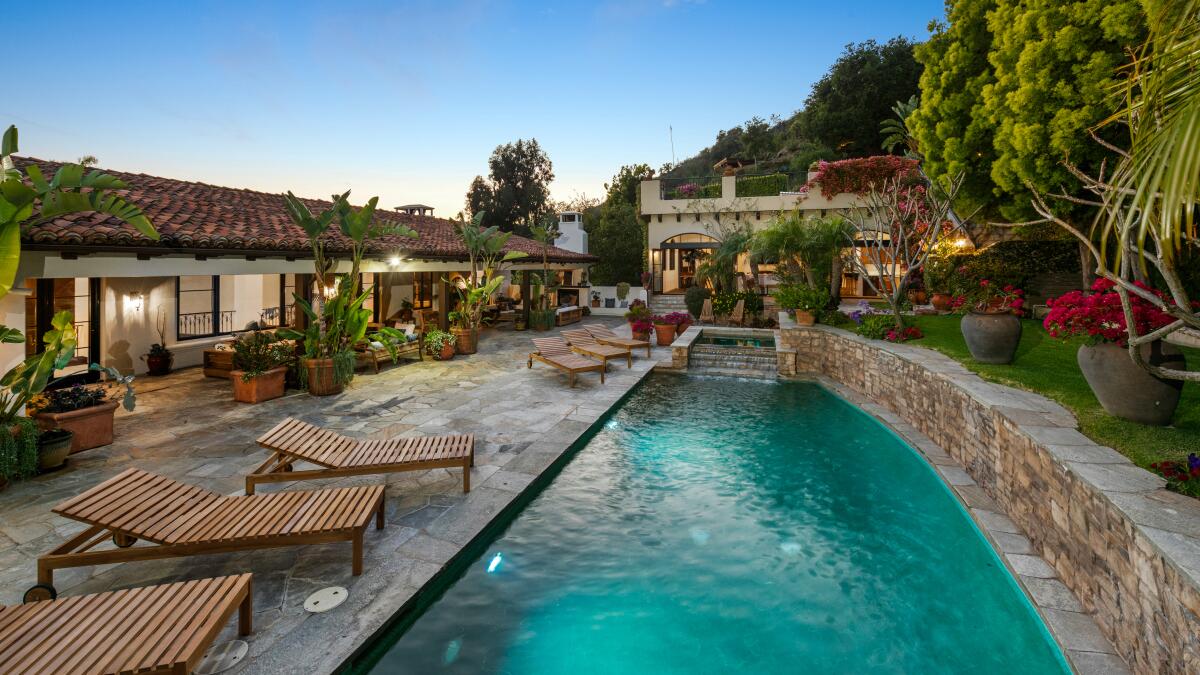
{"type": "Point", "coordinates": [304, 283]}
{"type": "Point", "coordinates": [525, 301]}
{"type": "Point", "coordinates": [444, 305]}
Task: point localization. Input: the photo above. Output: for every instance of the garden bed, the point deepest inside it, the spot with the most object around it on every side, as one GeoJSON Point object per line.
{"type": "Point", "coordinates": [1047, 366]}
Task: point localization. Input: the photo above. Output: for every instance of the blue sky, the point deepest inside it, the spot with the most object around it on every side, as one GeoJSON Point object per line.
{"type": "Point", "coordinates": [406, 100]}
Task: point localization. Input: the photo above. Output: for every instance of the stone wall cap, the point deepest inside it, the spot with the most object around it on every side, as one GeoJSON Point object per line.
{"type": "Point", "coordinates": [1118, 477]}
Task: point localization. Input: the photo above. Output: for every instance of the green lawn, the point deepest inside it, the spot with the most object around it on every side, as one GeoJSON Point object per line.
{"type": "Point", "coordinates": [1047, 366]}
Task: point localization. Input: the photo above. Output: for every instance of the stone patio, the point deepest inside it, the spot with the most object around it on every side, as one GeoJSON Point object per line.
{"type": "Point", "coordinates": [187, 427]}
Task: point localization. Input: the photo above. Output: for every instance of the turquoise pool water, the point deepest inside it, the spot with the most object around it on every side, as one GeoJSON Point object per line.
{"type": "Point", "coordinates": [729, 526]}
{"type": "Point", "coordinates": [734, 341]}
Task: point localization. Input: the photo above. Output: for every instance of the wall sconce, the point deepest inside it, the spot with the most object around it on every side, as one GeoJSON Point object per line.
{"type": "Point", "coordinates": [134, 302]}
{"type": "Point", "coordinates": [394, 261]}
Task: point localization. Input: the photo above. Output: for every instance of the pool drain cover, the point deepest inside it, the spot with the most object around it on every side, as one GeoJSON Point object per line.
{"type": "Point", "coordinates": [326, 599]}
{"type": "Point", "coordinates": [222, 657]}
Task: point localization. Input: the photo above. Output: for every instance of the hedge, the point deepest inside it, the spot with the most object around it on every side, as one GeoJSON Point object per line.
{"type": "Point", "coordinates": [762, 186]}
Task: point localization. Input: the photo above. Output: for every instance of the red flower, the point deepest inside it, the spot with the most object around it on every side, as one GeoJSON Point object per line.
{"type": "Point", "coordinates": [1100, 316]}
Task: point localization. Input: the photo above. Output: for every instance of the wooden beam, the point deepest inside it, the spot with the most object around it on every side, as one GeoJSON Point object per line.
{"type": "Point", "coordinates": [525, 299]}
{"type": "Point", "coordinates": [444, 305]}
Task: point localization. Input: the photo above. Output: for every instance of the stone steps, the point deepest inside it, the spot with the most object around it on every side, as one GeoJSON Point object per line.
{"type": "Point", "coordinates": [665, 304]}
{"type": "Point", "coordinates": [736, 372]}
{"type": "Point", "coordinates": [735, 365]}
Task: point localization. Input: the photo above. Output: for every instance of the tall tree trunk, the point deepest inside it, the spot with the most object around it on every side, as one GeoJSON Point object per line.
{"type": "Point", "coordinates": [835, 281]}
{"type": "Point", "coordinates": [1087, 267]}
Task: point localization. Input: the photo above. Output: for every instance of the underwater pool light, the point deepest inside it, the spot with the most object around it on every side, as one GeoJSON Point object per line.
{"type": "Point", "coordinates": [495, 563]}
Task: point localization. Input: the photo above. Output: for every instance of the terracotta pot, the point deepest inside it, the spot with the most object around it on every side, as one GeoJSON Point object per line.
{"type": "Point", "coordinates": [992, 337]}
{"type": "Point", "coordinates": [466, 340]}
{"type": "Point", "coordinates": [805, 318]}
{"type": "Point", "coordinates": [641, 336]}
{"type": "Point", "coordinates": [159, 364]}
{"type": "Point", "coordinates": [321, 381]}
{"type": "Point", "coordinates": [665, 334]}
{"type": "Point", "coordinates": [1127, 391]}
{"type": "Point", "coordinates": [916, 297]}
{"type": "Point", "coordinates": [679, 329]}
{"type": "Point", "coordinates": [942, 301]}
{"type": "Point", "coordinates": [261, 388]}
{"type": "Point", "coordinates": [92, 427]}
{"type": "Point", "coordinates": [447, 352]}
{"type": "Point", "coordinates": [53, 454]}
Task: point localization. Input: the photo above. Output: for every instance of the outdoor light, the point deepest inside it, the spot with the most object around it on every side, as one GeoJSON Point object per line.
{"type": "Point", "coordinates": [962, 242]}
{"type": "Point", "coordinates": [134, 302]}
{"type": "Point", "coordinates": [495, 563]}
{"type": "Point", "coordinates": [394, 261]}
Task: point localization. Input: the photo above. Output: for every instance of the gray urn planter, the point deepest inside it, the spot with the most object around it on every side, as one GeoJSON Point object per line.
{"type": "Point", "coordinates": [1127, 391]}
{"type": "Point", "coordinates": [992, 338]}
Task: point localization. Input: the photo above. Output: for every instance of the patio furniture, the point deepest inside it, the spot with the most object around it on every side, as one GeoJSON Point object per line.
{"type": "Point", "coordinates": [554, 351]}
{"type": "Point", "coordinates": [582, 342]}
{"type": "Point", "coordinates": [706, 312]}
{"type": "Point", "coordinates": [336, 455]}
{"type": "Point", "coordinates": [605, 336]}
{"type": "Point", "coordinates": [218, 362]}
{"type": "Point", "coordinates": [567, 315]}
{"type": "Point", "coordinates": [176, 520]}
{"type": "Point", "coordinates": [367, 352]}
{"type": "Point", "coordinates": [738, 315]}
{"type": "Point", "coordinates": [159, 629]}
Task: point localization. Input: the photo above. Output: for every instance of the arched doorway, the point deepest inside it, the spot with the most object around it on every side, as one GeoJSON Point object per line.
{"type": "Point", "coordinates": [675, 259]}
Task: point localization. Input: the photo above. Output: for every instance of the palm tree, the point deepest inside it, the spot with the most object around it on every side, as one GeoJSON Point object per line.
{"type": "Point", "coordinates": [896, 131]}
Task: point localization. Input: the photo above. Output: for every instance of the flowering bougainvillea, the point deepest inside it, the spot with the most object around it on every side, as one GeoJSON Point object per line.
{"type": "Point", "coordinates": [994, 298]}
{"type": "Point", "coordinates": [1099, 316]}
{"type": "Point", "coordinates": [1182, 477]}
{"type": "Point", "coordinates": [856, 176]}
{"type": "Point", "coordinates": [641, 326]}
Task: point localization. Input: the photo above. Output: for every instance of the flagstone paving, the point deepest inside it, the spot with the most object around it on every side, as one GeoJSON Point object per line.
{"type": "Point", "coordinates": [187, 427]}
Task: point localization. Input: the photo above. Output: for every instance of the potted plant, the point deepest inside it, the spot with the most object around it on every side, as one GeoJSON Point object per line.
{"type": "Point", "coordinates": [440, 344]}
{"type": "Point", "coordinates": [259, 367]}
{"type": "Point", "coordinates": [641, 329]}
{"type": "Point", "coordinates": [160, 359]}
{"type": "Point", "coordinates": [406, 311]}
{"type": "Point", "coordinates": [85, 410]}
{"type": "Point", "coordinates": [681, 320]}
{"type": "Point", "coordinates": [1124, 389]}
{"type": "Point", "coordinates": [638, 311]}
{"type": "Point", "coordinates": [336, 318]}
{"type": "Point", "coordinates": [466, 338]}
{"type": "Point", "coordinates": [804, 303]}
{"type": "Point", "coordinates": [53, 447]}
{"type": "Point", "coordinates": [486, 257]}
{"type": "Point", "coordinates": [622, 290]}
{"type": "Point", "coordinates": [664, 329]}
{"type": "Point", "coordinates": [595, 298]}
{"type": "Point", "coordinates": [991, 326]}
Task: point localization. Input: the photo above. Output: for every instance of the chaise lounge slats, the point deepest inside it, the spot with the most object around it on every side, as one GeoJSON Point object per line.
{"type": "Point", "coordinates": [554, 351]}
{"type": "Point", "coordinates": [165, 628]}
{"type": "Point", "coordinates": [605, 336]}
{"type": "Point", "coordinates": [178, 519]}
{"type": "Point", "coordinates": [294, 440]}
{"type": "Point", "coordinates": [582, 342]}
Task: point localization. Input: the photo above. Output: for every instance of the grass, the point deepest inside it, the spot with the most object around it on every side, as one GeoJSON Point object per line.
{"type": "Point", "coordinates": [1047, 366]}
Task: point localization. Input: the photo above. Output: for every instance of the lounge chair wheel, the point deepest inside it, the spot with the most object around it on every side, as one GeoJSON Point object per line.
{"type": "Point", "coordinates": [123, 540]}
{"type": "Point", "coordinates": [39, 593]}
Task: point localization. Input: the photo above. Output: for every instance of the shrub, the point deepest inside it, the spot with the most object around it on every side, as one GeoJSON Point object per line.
{"type": "Point", "coordinates": [1181, 477]}
{"type": "Point", "coordinates": [858, 175]}
{"type": "Point", "coordinates": [19, 451]}
{"type": "Point", "coordinates": [436, 339]}
{"type": "Point", "coordinates": [876, 326]}
{"type": "Point", "coordinates": [622, 290]}
{"type": "Point", "coordinates": [694, 298]}
{"type": "Point", "coordinates": [256, 353]}
{"type": "Point", "coordinates": [805, 298]}
{"type": "Point", "coordinates": [724, 303]}
{"type": "Point", "coordinates": [762, 186]}
{"type": "Point", "coordinates": [1099, 315]}
{"type": "Point", "coordinates": [637, 311]}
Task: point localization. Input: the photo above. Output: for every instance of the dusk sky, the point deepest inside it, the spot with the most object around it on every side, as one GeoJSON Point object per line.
{"type": "Point", "coordinates": [407, 100]}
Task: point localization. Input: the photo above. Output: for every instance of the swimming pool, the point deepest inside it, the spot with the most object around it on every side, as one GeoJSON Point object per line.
{"type": "Point", "coordinates": [730, 526]}
{"type": "Point", "coordinates": [730, 340]}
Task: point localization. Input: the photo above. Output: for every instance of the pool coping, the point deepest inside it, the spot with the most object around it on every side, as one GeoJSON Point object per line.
{"type": "Point", "coordinates": [1079, 638]}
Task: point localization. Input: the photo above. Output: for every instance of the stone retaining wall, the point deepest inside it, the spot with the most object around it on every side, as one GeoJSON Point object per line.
{"type": "Point", "coordinates": [1129, 549]}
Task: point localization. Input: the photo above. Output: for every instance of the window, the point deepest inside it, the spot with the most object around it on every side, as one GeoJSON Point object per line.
{"type": "Point", "coordinates": [198, 306]}
{"type": "Point", "coordinates": [568, 217]}
{"type": "Point", "coordinates": [422, 290]}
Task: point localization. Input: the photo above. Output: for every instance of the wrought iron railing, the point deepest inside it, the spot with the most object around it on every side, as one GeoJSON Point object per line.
{"type": "Point", "coordinates": [200, 324]}
{"type": "Point", "coordinates": [272, 317]}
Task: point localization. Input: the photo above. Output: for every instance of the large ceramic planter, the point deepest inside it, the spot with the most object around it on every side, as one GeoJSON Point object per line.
{"type": "Point", "coordinates": [992, 337]}
{"type": "Point", "coordinates": [92, 427]}
{"type": "Point", "coordinates": [1127, 391]}
{"type": "Point", "coordinates": [805, 318]}
{"type": "Point", "coordinates": [159, 364]}
{"type": "Point", "coordinates": [641, 336]}
{"type": "Point", "coordinates": [321, 380]}
{"type": "Point", "coordinates": [941, 301]}
{"type": "Point", "coordinates": [52, 454]}
{"type": "Point", "coordinates": [664, 333]}
{"type": "Point", "coordinates": [466, 340]}
{"type": "Point", "coordinates": [260, 388]}
{"type": "Point", "coordinates": [916, 297]}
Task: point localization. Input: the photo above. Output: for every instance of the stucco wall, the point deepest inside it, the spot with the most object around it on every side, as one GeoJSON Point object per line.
{"type": "Point", "coordinates": [1129, 549]}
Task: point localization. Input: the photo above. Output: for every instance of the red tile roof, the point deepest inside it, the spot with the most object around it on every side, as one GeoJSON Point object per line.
{"type": "Point", "coordinates": [197, 217]}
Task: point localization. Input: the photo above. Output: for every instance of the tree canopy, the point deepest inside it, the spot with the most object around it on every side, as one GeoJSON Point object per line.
{"type": "Point", "coordinates": [615, 231]}
{"type": "Point", "coordinates": [516, 194]}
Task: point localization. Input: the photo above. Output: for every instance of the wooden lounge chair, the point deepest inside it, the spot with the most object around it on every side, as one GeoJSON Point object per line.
{"type": "Point", "coordinates": [706, 312]}
{"type": "Point", "coordinates": [335, 455]}
{"type": "Point", "coordinates": [176, 519]}
{"type": "Point", "coordinates": [154, 629]}
{"type": "Point", "coordinates": [554, 351]}
{"type": "Point", "coordinates": [738, 315]}
{"type": "Point", "coordinates": [582, 342]}
{"type": "Point", "coordinates": [605, 336]}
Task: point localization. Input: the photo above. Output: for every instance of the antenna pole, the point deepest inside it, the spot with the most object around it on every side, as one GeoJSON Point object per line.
{"type": "Point", "coordinates": [671, 133]}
